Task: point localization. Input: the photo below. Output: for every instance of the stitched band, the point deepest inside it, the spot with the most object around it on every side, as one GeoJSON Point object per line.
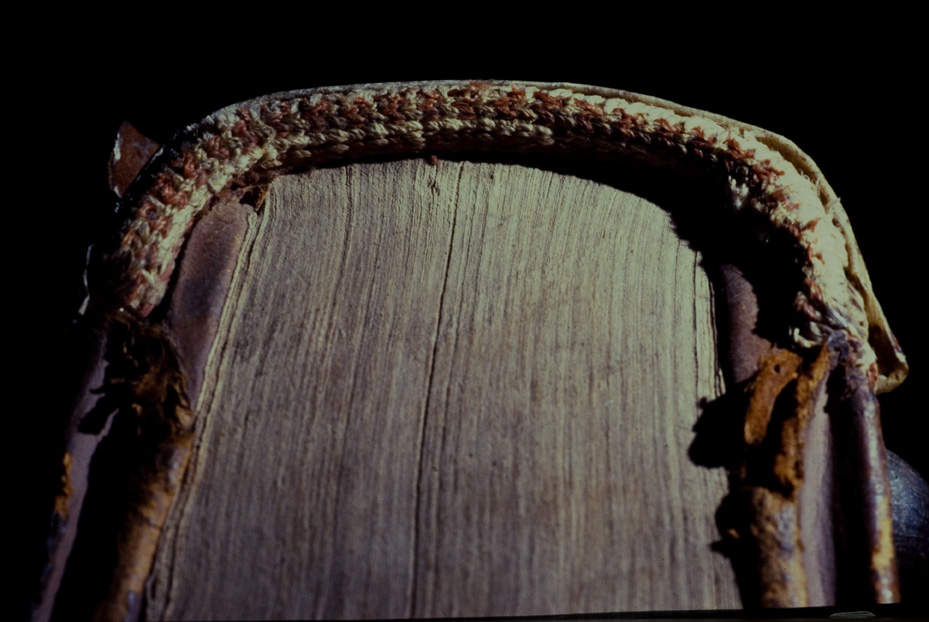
{"type": "Point", "coordinates": [295, 128]}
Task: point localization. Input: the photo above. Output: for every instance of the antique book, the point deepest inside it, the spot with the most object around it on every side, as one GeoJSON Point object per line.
{"type": "Point", "coordinates": [474, 349]}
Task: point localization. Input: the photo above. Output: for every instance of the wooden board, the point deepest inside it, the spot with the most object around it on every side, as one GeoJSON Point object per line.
{"type": "Point", "coordinates": [470, 394]}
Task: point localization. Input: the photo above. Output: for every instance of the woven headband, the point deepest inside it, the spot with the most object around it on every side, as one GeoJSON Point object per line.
{"type": "Point", "coordinates": [763, 173]}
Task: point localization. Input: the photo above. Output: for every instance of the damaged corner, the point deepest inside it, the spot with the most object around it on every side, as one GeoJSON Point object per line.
{"type": "Point", "coordinates": [134, 475]}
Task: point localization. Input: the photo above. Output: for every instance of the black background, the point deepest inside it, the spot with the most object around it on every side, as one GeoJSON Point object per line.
{"type": "Point", "coordinates": [847, 92]}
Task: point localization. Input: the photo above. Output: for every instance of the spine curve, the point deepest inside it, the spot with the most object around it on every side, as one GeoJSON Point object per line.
{"type": "Point", "coordinates": [310, 127]}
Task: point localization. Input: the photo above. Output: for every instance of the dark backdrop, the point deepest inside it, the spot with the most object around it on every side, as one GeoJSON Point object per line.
{"type": "Point", "coordinates": [846, 94]}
